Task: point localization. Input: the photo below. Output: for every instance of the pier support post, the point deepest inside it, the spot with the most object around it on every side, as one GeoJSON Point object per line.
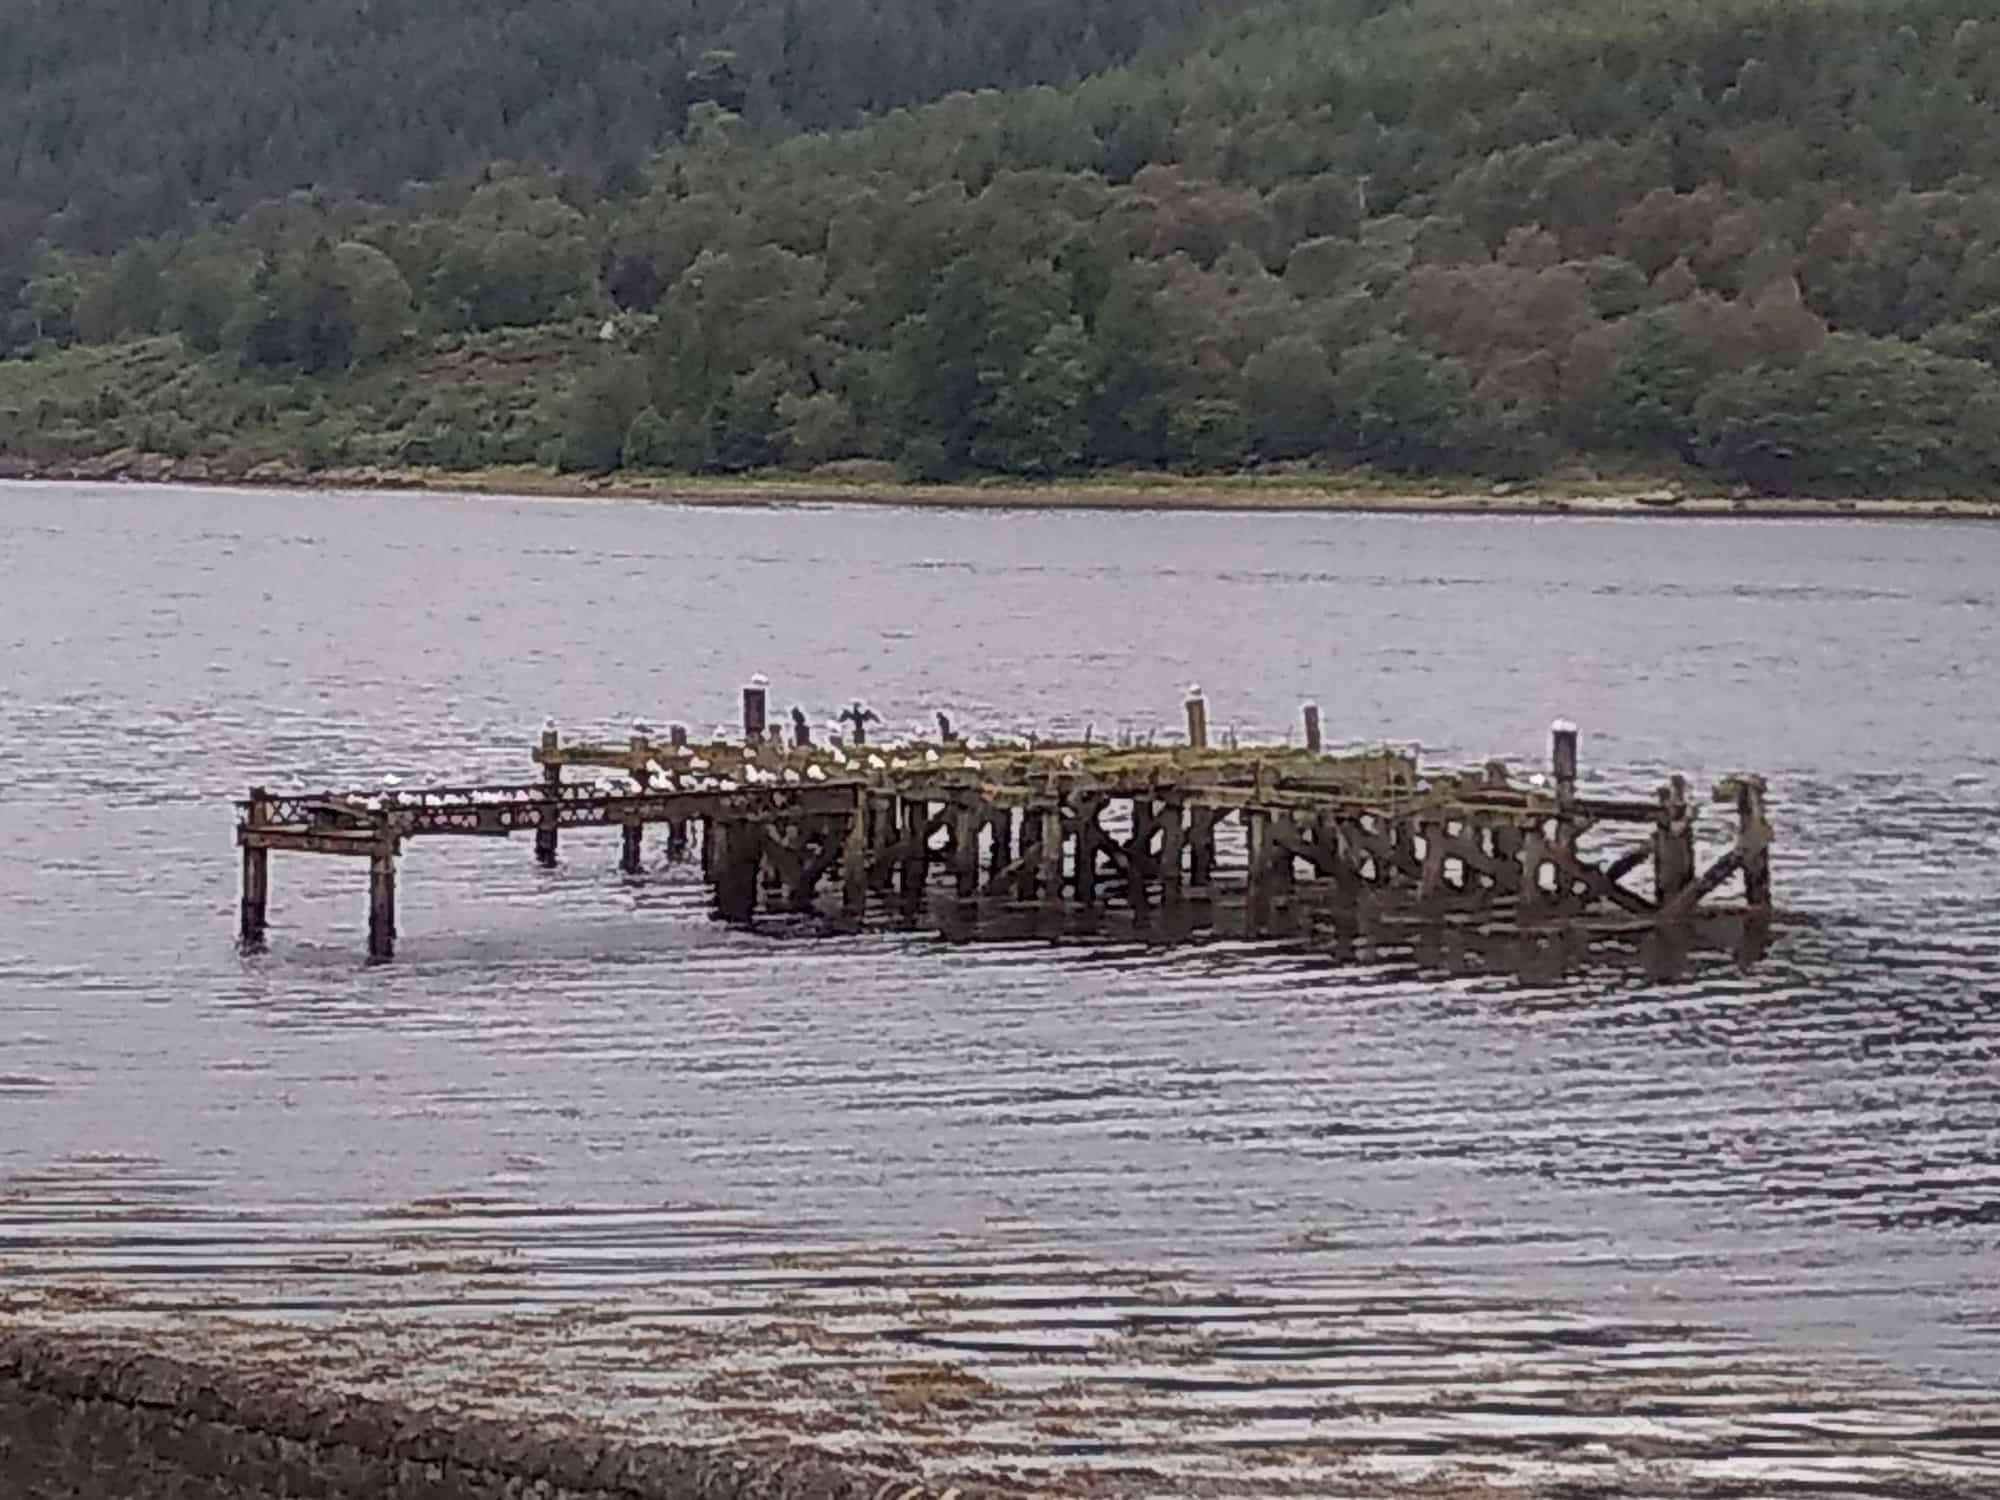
{"type": "Point", "coordinates": [1562, 772]}
{"type": "Point", "coordinates": [1673, 843]}
{"type": "Point", "coordinates": [1753, 843]}
{"type": "Point", "coordinates": [256, 876]}
{"type": "Point", "coordinates": [1172, 841]}
{"type": "Point", "coordinates": [1050, 851]}
{"type": "Point", "coordinates": [1088, 836]}
{"type": "Point", "coordinates": [1311, 714]}
{"type": "Point", "coordinates": [631, 854]}
{"type": "Point", "coordinates": [854, 861]}
{"type": "Point", "coordinates": [677, 829]}
{"type": "Point", "coordinates": [1430, 885]}
{"type": "Point", "coordinates": [1257, 888]}
{"type": "Point", "coordinates": [551, 814]}
{"type": "Point", "coordinates": [1201, 847]}
{"type": "Point", "coordinates": [965, 849]}
{"type": "Point", "coordinates": [916, 854]}
{"type": "Point", "coordinates": [1197, 718]}
{"type": "Point", "coordinates": [756, 708]}
{"type": "Point", "coordinates": [1534, 854]}
{"type": "Point", "coordinates": [883, 831]}
{"type": "Point", "coordinates": [1139, 853]}
{"type": "Point", "coordinates": [738, 846]}
{"type": "Point", "coordinates": [1000, 853]}
{"type": "Point", "coordinates": [1028, 878]}
{"type": "Point", "coordinates": [382, 900]}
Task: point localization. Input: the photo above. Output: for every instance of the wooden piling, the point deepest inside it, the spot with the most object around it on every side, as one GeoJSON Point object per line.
{"type": "Point", "coordinates": [1257, 884]}
{"type": "Point", "coordinates": [1533, 856]}
{"type": "Point", "coordinates": [1201, 847]}
{"type": "Point", "coordinates": [1753, 844]}
{"type": "Point", "coordinates": [1311, 714]}
{"type": "Point", "coordinates": [1673, 843]}
{"type": "Point", "coordinates": [1088, 837]}
{"type": "Point", "coordinates": [631, 855]}
{"type": "Point", "coordinates": [966, 819]}
{"type": "Point", "coordinates": [756, 704]}
{"type": "Point", "coordinates": [738, 851]}
{"type": "Point", "coordinates": [1197, 719]}
{"type": "Point", "coordinates": [1562, 772]}
{"type": "Point", "coordinates": [1139, 854]}
{"type": "Point", "coordinates": [252, 921]}
{"type": "Point", "coordinates": [551, 811]}
{"type": "Point", "coordinates": [382, 899]}
{"type": "Point", "coordinates": [1430, 885]}
{"type": "Point", "coordinates": [854, 860]}
{"type": "Point", "coordinates": [1050, 853]}
{"type": "Point", "coordinates": [1173, 834]}
{"type": "Point", "coordinates": [1028, 865]}
{"type": "Point", "coordinates": [1000, 850]}
{"type": "Point", "coordinates": [916, 854]}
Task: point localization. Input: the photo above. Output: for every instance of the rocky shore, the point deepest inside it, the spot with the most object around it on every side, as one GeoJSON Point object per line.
{"type": "Point", "coordinates": [82, 1417]}
{"type": "Point", "coordinates": [1143, 493]}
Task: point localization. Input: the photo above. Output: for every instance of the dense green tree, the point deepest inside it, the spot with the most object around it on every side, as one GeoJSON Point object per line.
{"type": "Point", "coordinates": [1288, 388]}
{"type": "Point", "coordinates": [1857, 416]}
{"type": "Point", "coordinates": [1035, 417]}
{"type": "Point", "coordinates": [1399, 406]}
{"type": "Point", "coordinates": [600, 412]}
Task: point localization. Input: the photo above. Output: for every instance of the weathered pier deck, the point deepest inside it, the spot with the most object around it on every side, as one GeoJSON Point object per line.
{"type": "Point", "coordinates": [1181, 838]}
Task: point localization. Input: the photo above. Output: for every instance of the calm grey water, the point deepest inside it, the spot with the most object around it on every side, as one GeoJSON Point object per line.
{"type": "Point", "coordinates": [1276, 1205]}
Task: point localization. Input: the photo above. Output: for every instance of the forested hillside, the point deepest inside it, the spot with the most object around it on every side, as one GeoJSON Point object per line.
{"type": "Point", "coordinates": [1757, 240]}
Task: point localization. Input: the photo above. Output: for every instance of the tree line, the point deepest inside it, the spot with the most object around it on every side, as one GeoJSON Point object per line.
{"type": "Point", "coordinates": [1752, 239]}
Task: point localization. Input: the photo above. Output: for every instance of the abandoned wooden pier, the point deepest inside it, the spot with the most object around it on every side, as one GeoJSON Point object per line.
{"type": "Point", "coordinates": [1181, 837]}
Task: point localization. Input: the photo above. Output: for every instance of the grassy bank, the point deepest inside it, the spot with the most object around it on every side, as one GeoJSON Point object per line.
{"type": "Point", "coordinates": [484, 413]}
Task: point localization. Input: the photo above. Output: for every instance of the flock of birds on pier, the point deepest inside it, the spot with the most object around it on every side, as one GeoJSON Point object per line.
{"type": "Point", "coordinates": [689, 768]}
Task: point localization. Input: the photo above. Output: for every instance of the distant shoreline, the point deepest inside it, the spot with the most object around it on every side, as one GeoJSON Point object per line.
{"type": "Point", "coordinates": [1162, 493]}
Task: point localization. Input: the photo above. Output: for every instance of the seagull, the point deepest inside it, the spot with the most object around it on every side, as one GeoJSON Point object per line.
{"type": "Point", "coordinates": [876, 763]}
{"type": "Point", "coordinates": [697, 764]}
{"type": "Point", "coordinates": [726, 785]}
{"type": "Point", "coordinates": [392, 779]}
{"type": "Point", "coordinates": [931, 757]}
{"type": "Point", "coordinates": [1194, 690]}
{"type": "Point", "coordinates": [839, 756]}
{"type": "Point", "coordinates": [758, 680]}
{"type": "Point", "coordinates": [549, 725]}
{"type": "Point", "coordinates": [639, 727]}
{"type": "Point", "coordinates": [814, 773]}
{"type": "Point", "coordinates": [1070, 762]}
{"type": "Point", "coordinates": [789, 776]}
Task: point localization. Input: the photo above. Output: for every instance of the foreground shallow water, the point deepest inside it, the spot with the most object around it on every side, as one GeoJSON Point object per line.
{"type": "Point", "coordinates": [1236, 1211]}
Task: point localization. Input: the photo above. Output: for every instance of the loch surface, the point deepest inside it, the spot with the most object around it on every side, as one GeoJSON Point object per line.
{"type": "Point", "coordinates": [1242, 1187]}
